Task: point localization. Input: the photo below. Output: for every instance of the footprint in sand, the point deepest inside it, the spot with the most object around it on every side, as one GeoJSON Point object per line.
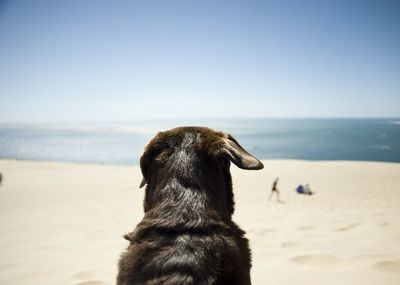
{"type": "Point", "coordinates": [82, 275]}
{"type": "Point", "coordinates": [294, 245]}
{"type": "Point", "coordinates": [91, 282]}
{"type": "Point", "coordinates": [322, 261]}
{"type": "Point", "coordinates": [392, 267]}
{"type": "Point", "coordinates": [306, 228]}
{"type": "Point", "coordinates": [261, 231]}
{"type": "Point", "coordinates": [367, 258]}
{"type": "Point", "coordinates": [8, 266]}
{"type": "Point", "coordinates": [348, 227]}
{"type": "Point", "coordinates": [86, 278]}
{"type": "Point", "coordinates": [265, 231]}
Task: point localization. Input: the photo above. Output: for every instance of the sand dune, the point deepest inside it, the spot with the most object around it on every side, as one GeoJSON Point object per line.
{"type": "Point", "coordinates": [63, 223]}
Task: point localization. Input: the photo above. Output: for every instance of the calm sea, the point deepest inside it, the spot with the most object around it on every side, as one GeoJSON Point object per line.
{"type": "Point", "coordinates": [121, 143]}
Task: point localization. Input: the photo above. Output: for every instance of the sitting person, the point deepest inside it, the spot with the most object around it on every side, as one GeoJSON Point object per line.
{"type": "Point", "coordinates": [304, 189]}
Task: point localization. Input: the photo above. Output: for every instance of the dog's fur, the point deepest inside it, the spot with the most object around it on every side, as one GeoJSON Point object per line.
{"type": "Point", "coordinates": [187, 236]}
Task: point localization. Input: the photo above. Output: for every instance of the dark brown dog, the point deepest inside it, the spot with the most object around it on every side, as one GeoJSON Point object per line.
{"type": "Point", "coordinates": [187, 236]}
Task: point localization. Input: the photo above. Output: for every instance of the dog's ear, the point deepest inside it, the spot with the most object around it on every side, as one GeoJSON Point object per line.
{"type": "Point", "coordinates": [239, 156]}
{"type": "Point", "coordinates": [145, 163]}
{"type": "Point", "coordinates": [146, 160]}
{"type": "Point", "coordinates": [144, 166]}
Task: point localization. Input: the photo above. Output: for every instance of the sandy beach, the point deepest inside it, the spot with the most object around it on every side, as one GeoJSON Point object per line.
{"type": "Point", "coordinates": [63, 223]}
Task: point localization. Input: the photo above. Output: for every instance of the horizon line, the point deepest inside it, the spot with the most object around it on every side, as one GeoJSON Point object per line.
{"type": "Point", "coordinates": [170, 119]}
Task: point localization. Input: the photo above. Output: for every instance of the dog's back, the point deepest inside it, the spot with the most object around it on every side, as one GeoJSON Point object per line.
{"type": "Point", "coordinates": [187, 235]}
{"type": "Point", "coordinates": [186, 258]}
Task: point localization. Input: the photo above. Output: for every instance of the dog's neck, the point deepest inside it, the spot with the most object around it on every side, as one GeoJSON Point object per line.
{"type": "Point", "coordinates": [190, 192]}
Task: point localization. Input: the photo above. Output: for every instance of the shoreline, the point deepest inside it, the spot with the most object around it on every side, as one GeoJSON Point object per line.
{"type": "Point", "coordinates": [137, 165]}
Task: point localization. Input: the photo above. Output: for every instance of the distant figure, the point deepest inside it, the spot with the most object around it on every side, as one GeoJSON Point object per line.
{"type": "Point", "coordinates": [1, 178]}
{"type": "Point", "coordinates": [274, 190]}
{"type": "Point", "coordinates": [304, 189]}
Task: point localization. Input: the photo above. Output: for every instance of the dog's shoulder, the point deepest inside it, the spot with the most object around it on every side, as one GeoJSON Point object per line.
{"type": "Point", "coordinates": [194, 253]}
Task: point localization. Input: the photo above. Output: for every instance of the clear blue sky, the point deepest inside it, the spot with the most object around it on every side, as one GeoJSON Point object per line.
{"type": "Point", "coordinates": [121, 60]}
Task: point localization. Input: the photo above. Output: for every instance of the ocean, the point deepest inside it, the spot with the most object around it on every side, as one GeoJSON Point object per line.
{"type": "Point", "coordinates": [121, 143]}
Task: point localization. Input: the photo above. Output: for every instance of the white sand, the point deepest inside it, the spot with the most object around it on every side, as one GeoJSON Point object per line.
{"type": "Point", "coordinates": [63, 223]}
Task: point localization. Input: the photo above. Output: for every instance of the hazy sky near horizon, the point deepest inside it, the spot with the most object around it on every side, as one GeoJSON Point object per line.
{"type": "Point", "coordinates": [122, 60]}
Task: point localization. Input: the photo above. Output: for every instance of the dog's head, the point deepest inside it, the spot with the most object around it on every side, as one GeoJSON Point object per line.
{"type": "Point", "coordinates": [193, 157]}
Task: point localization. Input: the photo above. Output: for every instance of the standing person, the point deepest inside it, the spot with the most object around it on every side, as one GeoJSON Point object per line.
{"type": "Point", "coordinates": [1, 178]}
{"type": "Point", "coordinates": [274, 190]}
